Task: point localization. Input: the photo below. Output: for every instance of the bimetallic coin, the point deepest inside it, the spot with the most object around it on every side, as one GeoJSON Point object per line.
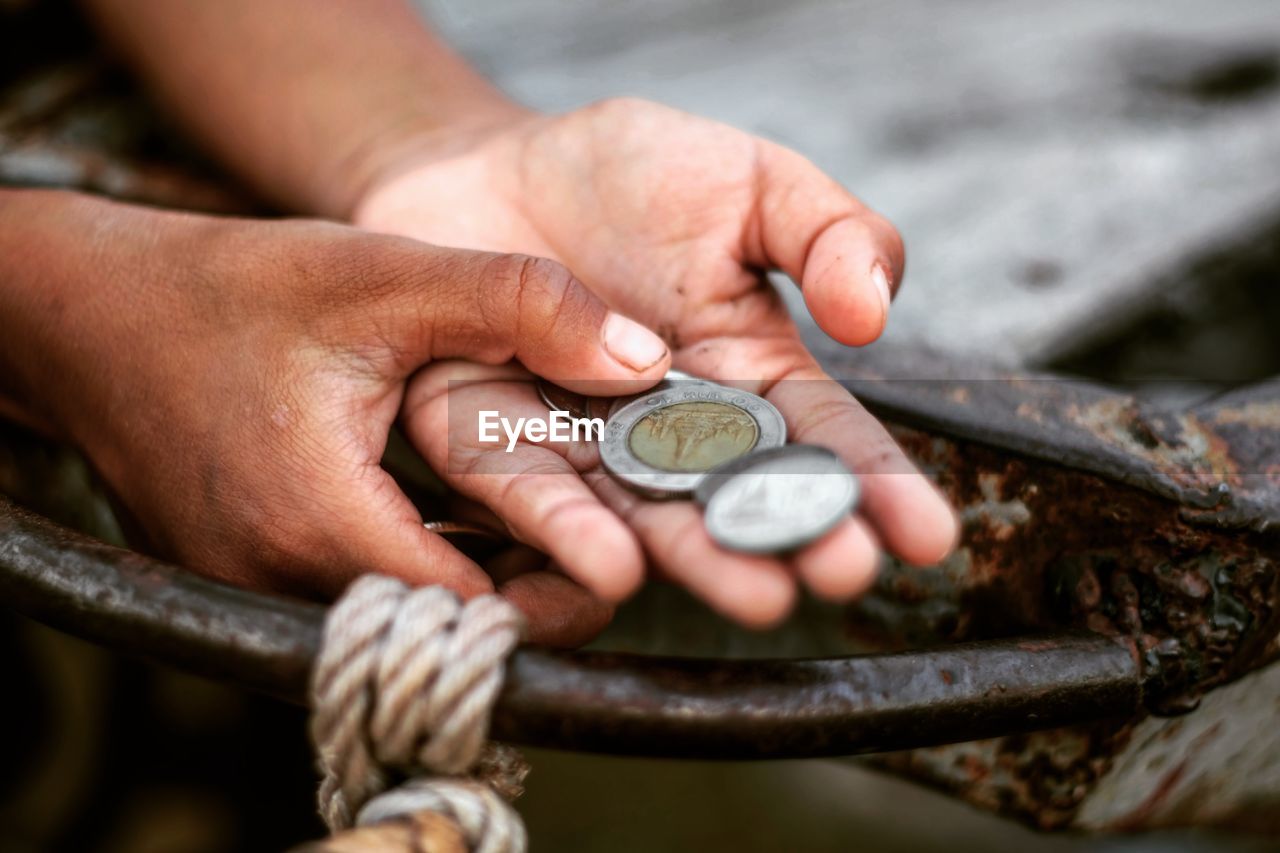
{"type": "Point", "coordinates": [693, 436]}
{"type": "Point", "coordinates": [662, 444]}
{"type": "Point", "coordinates": [673, 379]}
{"type": "Point", "coordinates": [777, 500]}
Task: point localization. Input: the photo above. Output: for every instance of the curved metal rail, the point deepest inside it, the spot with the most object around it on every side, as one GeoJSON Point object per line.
{"type": "Point", "coordinates": [591, 701]}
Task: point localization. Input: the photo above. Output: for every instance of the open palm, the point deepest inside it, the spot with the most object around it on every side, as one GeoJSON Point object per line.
{"type": "Point", "coordinates": [672, 220]}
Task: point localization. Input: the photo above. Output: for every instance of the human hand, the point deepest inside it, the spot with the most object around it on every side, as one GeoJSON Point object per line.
{"type": "Point", "coordinates": [670, 219]}
{"type": "Point", "coordinates": [235, 381]}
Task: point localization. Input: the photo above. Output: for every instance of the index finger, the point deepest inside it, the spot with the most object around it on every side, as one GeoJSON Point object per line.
{"type": "Point", "coordinates": [911, 516]}
{"type": "Point", "coordinates": [847, 259]}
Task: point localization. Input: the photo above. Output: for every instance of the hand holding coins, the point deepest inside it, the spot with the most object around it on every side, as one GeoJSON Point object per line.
{"type": "Point", "coordinates": [726, 448]}
{"type": "Point", "coordinates": [556, 496]}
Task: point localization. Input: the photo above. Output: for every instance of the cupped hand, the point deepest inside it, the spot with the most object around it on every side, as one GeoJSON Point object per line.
{"type": "Point", "coordinates": [235, 383]}
{"type": "Point", "coordinates": [672, 219]}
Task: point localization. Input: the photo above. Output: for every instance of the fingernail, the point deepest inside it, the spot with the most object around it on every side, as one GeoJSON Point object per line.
{"type": "Point", "coordinates": [880, 278]}
{"type": "Point", "coordinates": [631, 344]}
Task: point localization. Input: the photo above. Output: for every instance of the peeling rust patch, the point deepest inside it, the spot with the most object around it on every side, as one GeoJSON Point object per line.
{"type": "Point", "coordinates": [1197, 602]}
{"type": "Point", "coordinates": [1040, 777]}
{"type": "Point", "coordinates": [1086, 552]}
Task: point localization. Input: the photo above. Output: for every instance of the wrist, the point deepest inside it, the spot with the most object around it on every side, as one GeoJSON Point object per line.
{"type": "Point", "coordinates": [73, 292]}
{"type": "Point", "coordinates": [409, 136]}
{"type": "Point", "coordinates": [34, 252]}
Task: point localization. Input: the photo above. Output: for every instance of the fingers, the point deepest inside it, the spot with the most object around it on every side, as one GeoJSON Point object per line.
{"type": "Point", "coordinates": [492, 308]}
{"type": "Point", "coordinates": [912, 517]}
{"type": "Point", "coordinates": [535, 491]}
{"type": "Point", "coordinates": [755, 591]}
{"type": "Point", "coordinates": [545, 503]}
{"type": "Point", "coordinates": [847, 259]}
{"type": "Point", "coordinates": [393, 542]}
{"type": "Point", "coordinates": [841, 565]}
{"type": "Point", "coordinates": [558, 611]}
{"type": "Point", "coordinates": [360, 523]}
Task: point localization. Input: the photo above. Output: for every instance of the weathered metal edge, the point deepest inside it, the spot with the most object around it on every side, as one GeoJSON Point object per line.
{"type": "Point", "coordinates": [613, 703]}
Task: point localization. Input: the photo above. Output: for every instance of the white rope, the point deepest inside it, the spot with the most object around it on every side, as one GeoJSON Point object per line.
{"type": "Point", "coordinates": [404, 683]}
{"type": "Point", "coordinates": [487, 821]}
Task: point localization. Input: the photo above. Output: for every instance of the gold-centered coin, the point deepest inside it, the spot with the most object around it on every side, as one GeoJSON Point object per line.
{"type": "Point", "coordinates": [662, 444]}
{"type": "Point", "coordinates": [693, 436]}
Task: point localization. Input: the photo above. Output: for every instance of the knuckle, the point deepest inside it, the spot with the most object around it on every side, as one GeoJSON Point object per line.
{"type": "Point", "coordinates": [541, 275]}
{"type": "Point", "coordinates": [546, 293]}
{"type": "Point", "coordinates": [500, 295]}
{"type": "Point", "coordinates": [827, 415]}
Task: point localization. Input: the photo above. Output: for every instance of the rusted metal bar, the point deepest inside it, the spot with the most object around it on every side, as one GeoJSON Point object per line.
{"type": "Point", "coordinates": [591, 701]}
{"type": "Point", "coordinates": [143, 607]}
{"type": "Point", "coordinates": [601, 702]}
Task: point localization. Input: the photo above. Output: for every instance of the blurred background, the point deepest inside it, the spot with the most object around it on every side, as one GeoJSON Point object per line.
{"type": "Point", "coordinates": [1085, 186]}
{"type": "Point", "coordinates": [1066, 176]}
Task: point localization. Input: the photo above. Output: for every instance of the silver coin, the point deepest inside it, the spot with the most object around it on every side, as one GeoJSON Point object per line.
{"type": "Point", "coordinates": [777, 500]}
{"type": "Point", "coordinates": [663, 443]}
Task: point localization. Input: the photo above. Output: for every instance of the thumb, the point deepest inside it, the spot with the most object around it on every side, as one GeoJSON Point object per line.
{"type": "Point", "coordinates": [491, 308]}
{"type": "Point", "coordinates": [368, 525]}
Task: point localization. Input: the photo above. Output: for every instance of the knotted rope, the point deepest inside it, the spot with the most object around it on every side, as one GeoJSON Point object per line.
{"type": "Point", "coordinates": [404, 684]}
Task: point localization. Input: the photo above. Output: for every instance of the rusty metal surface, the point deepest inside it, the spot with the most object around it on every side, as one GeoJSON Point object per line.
{"type": "Point", "coordinates": [697, 708]}
{"type": "Point", "coordinates": [1082, 507]}
{"type": "Point", "coordinates": [592, 701]}
{"type": "Point", "coordinates": [1219, 461]}
{"type": "Point", "coordinates": [128, 602]}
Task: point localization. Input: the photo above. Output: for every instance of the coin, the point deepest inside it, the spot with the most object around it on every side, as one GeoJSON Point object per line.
{"type": "Point", "coordinates": [776, 500]}
{"type": "Point", "coordinates": [693, 436]}
{"type": "Point", "coordinates": [561, 399]}
{"type": "Point", "coordinates": [662, 444]}
{"type": "Point", "coordinates": [477, 541]}
{"type": "Point", "coordinates": [673, 379]}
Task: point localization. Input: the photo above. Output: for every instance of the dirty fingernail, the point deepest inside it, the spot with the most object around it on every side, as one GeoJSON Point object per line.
{"type": "Point", "coordinates": [631, 344]}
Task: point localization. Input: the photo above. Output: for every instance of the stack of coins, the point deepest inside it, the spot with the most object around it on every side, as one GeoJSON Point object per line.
{"type": "Point", "coordinates": [727, 449]}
